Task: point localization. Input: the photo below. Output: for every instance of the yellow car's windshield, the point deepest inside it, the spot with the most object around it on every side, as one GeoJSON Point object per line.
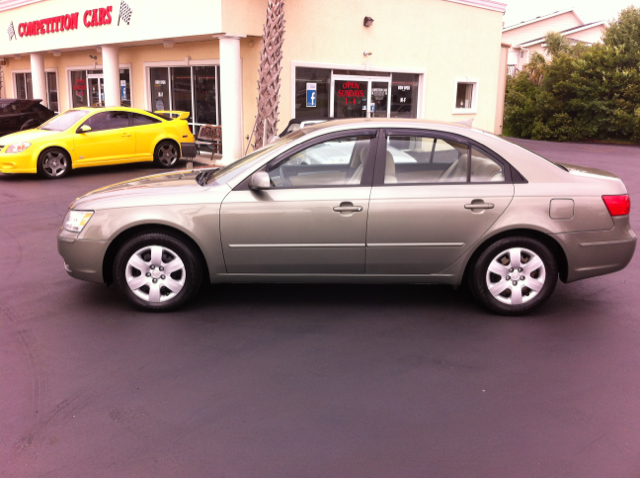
{"type": "Point", "coordinates": [64, 120]}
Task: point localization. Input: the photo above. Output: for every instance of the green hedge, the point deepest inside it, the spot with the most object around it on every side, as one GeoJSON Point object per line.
{"type": "Point", "coordinates": [582, 92]}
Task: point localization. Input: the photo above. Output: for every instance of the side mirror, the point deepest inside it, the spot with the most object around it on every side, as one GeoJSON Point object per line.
{"type": "Point", "coordinates": [84, 129]}
{"type": "Point", "coordinates": [260, 181]}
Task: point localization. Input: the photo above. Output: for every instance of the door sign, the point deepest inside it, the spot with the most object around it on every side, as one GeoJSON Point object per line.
{"type": "Point", "coordinates": [312, 95]}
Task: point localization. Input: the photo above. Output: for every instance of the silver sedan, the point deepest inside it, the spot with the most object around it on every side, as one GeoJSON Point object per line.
{"type": "Point", "coordinates": [395, 201]}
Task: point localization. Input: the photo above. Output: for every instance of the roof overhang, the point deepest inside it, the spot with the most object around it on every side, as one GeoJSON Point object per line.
{"type": "Point", "coordinates": [539, 19]}
{"type": "Point", "coordinates": [486, 4]}
{"type": "Point", "coordinates": [564, 34]}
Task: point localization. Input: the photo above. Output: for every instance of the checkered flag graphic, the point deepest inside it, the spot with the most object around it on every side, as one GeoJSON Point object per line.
{"type": "Point", "coordinates": [12, 32]}
{"type": "Point", "coordinates": [125, 13]}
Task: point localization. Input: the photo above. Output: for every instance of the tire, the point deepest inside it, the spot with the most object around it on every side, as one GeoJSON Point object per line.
{"type": "Point", "coordinates": [521, 293]}
{"type": "Point", "coordinates": [166, 154]}
{"type": "Point", "coordinates": [54, 163]}
{"type": "Point", "coordinates": [157, 271]}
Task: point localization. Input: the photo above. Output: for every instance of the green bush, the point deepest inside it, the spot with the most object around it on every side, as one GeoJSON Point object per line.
{"type": "Point", "coordinates": [581, 92]}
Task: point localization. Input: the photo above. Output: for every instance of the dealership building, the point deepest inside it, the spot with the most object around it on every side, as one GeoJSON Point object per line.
{"type": "Point", "coordinates": [433, 59]}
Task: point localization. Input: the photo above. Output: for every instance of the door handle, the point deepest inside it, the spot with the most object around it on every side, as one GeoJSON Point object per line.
{"type": "Point", "coordinates": [347, 207]}
{"type": "Point", "coordinates": [479, 206]}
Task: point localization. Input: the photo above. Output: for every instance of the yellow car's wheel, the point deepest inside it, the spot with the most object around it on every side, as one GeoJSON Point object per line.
{"type": "Point", "coordinates": [166, 154]}
{"type": "Point", "coordinates": [54, 163]}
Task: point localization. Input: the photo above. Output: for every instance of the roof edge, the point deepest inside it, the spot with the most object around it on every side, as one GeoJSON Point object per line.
{"type": "Point", "coordinates": [11, 4]}
{"type": "Point", "coordinates": [486, 4]}
{"type": "Point", "coordinates": [565, 33]}
{"type": "Point", "coordinates": [539, 19]}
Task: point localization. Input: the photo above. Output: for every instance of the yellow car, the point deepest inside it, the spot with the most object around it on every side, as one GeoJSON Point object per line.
{"type": "Point", "coordinates": [98, 136]}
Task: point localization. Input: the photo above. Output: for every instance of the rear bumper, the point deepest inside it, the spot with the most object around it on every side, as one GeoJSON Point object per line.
{"type": "Point", "coordinates": [189, 150]}
{"type": "Point", "coordinates": [598, 252]}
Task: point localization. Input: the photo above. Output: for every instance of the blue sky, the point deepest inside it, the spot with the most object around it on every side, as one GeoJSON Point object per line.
{"type": "Point", "coordinates": [589, 10]}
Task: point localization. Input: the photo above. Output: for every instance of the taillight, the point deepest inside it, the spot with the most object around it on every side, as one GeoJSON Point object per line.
{"type": "Point", "coordinates": [617, 205]}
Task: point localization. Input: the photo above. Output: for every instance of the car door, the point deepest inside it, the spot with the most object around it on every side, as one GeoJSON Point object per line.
{"type": "Point", "coordinates": [313, 219]}
{"type": "Point", "coordinates": [431, 201]}
{"type": "Point", "coordinates": [147, 131]}
{"type": "Point", "coordinates": [110, 140]}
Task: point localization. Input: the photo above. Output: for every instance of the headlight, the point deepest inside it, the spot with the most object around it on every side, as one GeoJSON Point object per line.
{"type": "Point", "coordinates": [18, 147]}
{"type": "Point", "coordinates": [76, 220]}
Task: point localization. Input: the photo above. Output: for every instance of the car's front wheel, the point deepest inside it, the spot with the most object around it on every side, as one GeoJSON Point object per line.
{"type": "Point", "coordinates": [54, 163]}
{"type": "Point", "coordinates": [514, 275]}
{"type": "Point", "coordinates": [166, 154]}
{"type": "Point", "coordinates": [157, 271]}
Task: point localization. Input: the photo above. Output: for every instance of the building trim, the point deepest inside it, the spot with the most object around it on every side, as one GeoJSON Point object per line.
{"type": "Point", "coordinates": [11, 4]}
{"type": "Point", "coordinates": [539, 19]}
{"type": "Point", "coordinates": [564, 33]}
{"type": "Point", "coordinates": [486, 4]}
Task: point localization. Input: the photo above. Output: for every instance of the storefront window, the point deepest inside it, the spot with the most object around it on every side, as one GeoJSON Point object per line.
{"type": "Point", "coordinates": [181, 90]}
{"type": "Point", "coordinates": [125, 87]}
{"type": "Point", "coordinates": [204, 88]}
{"type": "Point", "coordinates": [52, 91]}
{"type": "Point", "coordinates": [194, 89]}
{"type": "Point", "coordinates": [308, 81]}
{"type": "Point", "coordinates": [24, 88]}
{"type": "Point", "coordinates": [79, 88]}
{"type": "Point", "coordinates": [87, 87]}
{"type": "Point", "coordinates": [404, 95]}
{"type": "Point", "coordinates": [355, 94]}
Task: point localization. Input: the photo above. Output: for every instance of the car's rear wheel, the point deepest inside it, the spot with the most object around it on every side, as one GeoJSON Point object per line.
{"type": "Point", "coordinates": [166, 154]}
{"type": "Point", "coordinates": [157, 271]}
{"type": "Point", "coordinates": [514, 275]}
{"type": "Point", "coordinates": [54, 163]}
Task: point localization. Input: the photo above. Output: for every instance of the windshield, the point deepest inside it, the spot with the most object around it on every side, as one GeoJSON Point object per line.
{"type": "Point", "coordinates": [225, 174]}
{"type": "Point", "coordinates": [64, 120]}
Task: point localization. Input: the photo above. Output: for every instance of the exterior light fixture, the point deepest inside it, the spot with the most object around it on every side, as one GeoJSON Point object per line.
{"type": "Point", "coordinates": [368, 21]}
{"type": "Point", "coordinates": [366, 54]}
{"type": "Point", "coordinates": [93, 57]}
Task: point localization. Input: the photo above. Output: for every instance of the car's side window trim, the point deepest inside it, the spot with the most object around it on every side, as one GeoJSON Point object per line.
{"type": "Point", "coordinates": [376, 138]}
{"type": "Point", "coordinates": [129, 117]}
{"type": "Point", "coordinates": [379, 173]}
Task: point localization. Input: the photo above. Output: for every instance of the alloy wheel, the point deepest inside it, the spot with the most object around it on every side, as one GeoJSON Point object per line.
{"type": "Point", "coordinates": [55, 164]}
{"type": "Point", "coordinates": [167, 154]}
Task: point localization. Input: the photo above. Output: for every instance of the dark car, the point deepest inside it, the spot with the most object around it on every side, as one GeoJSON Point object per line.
{"type": "Point", "coordinates": [17, 115]}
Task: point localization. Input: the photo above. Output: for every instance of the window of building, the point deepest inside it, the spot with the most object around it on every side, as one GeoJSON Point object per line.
{"type": "Point", "coordinates": [327, 93]}
{"type": "Point", "coordinates": [194, 89]}
{"type": "Point", "coordinates": [24, 88]}
{"type": "Point", "coordinates": [87, 87]}
{"type": "Point", "coordinates": [466, 96]}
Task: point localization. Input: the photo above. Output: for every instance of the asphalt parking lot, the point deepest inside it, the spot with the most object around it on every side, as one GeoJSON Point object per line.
{"type": "Point", "coordinates": [309, 380]}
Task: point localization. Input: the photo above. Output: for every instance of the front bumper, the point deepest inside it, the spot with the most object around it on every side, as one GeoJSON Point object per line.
{"type": "Point", "coordinates": [83, 259]}
{"type": "Point", "coordinates": [18, 162]}
{"type": "Point", "coordinates": [598, 252]}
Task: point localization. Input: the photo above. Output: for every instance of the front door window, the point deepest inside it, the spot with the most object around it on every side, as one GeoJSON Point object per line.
{"type": "Point", "coordinates": [96, 91]}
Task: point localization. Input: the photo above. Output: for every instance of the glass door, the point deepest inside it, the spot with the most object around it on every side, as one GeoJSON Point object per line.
{"type": "Point", "coordinates": [96, 90]}
{"type": "Point", "coordinates": [360, 97]}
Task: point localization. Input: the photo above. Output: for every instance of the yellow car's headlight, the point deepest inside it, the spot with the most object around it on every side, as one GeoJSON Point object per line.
{"type": "Point", "coordinates": [75, 221]}
{"type": "Point", "coordinates": [18, 147]}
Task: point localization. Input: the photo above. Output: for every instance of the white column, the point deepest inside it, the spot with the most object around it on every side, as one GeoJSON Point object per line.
{"type": "Point", "coordinates": [231, 98]}
{"type": "Point", "coordinates": [111, 73]}
{"type": "Point", "coordinates": [38, 80]}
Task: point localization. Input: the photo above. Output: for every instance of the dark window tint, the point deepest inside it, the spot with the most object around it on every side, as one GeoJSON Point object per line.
{"type": "Point", "coordinates": [109, 120]}
{"type": "Point", "coordinates": [312, 92]}
{"type": "Point", "coordinates": [143, 120]}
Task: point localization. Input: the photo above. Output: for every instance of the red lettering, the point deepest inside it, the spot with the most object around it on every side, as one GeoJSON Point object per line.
{"type": "Point", "coordinates": [43, 28]}
{"type": "Point", "coordinates": [94, 18]}
{"type": "Point", "coordinates": [107, 20]}
{"type": "Point", "coordinates": [74, 21]}
{"type": "Point", "coordinates": [86, 14]}
{"type": "Point", "coordinates": [20, 29]}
